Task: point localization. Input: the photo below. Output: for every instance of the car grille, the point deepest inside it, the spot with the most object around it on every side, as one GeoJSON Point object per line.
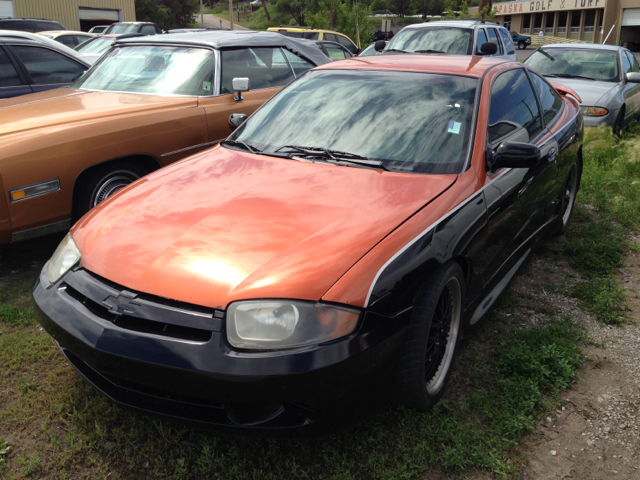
{"type": "Point", "coordinates": [141, 312]}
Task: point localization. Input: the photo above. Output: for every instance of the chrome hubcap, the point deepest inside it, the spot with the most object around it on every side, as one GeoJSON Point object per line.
{"type": "Point", "coordinates": [570, 191]}
{"type": "Point", "coordinates": [109, 187]}
{"type": "Point", "coordinates": [443, 336]}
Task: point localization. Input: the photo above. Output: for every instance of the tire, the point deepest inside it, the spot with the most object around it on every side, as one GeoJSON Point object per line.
{"type": "Point", "coordinates": [437, 313]}
{"type": "Point", "coordinates": [522, 45]}
{"type": "Point", "coordinates": [618, 127]}
{"type": "Point", "coordinates": [102, 182]}
{"type": "Point", "coordinates": [568, 196]}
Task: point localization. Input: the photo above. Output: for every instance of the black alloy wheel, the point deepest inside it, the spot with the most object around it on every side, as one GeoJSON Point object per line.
{"type": "Point", "coordinates": [568, 196]}
{"type": "Point", "coordinates": [522, 45]}
{"type": "Point", "coordinates": [432, 339]}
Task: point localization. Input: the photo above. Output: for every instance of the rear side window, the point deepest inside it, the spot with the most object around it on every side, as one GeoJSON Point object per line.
{"type": "Point", "coordinates": [299, 65]}
{"type": "Point", "coordinates": [330, 37]}
{"type": "Point", "coordinates": [506, 40]}
{"type": "Point", "coordinates": [47, 67]}
{"type": "Point", "coordinates": [493, 38]}
{"type": "Point", "coordinates": [482, 38]}
{"type": "Point", "coordinates": [334, 52]}
{"type": "Point", "coordinates": [8, 75]}
{"type": "Point", "coordinates": [16, 25]}
{"type": "Point", "coordinates": [265, 68]}
{"type": "Point", "coordinates": [346, 43]}
{"type": "Point", "coordinates": [310, 35]}
{"type": "Point", "coordinates": [40, 26]}
{"type": "Point", "coordinates": [148, 30]}
{"type": "Point", "coordinates": [66, 40]}
{"type": "Point", "coordinates": [514, 108]}
{"type": "Point", "coordinates": [549, 98]}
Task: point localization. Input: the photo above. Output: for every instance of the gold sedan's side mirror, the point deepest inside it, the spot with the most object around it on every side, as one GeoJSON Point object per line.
{"type": "Point", "coordinates": [242, 84]}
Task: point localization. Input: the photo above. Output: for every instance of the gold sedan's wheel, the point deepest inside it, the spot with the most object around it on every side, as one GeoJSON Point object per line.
{"type": "Point", "coordinates": [110, 186]}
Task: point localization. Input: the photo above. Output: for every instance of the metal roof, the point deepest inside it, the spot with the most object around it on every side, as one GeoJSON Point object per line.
{"type": "Point", "coordinates": [585, 46]}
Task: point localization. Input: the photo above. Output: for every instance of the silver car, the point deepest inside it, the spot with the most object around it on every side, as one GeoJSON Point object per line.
{"type": "Point", "coordinates": [605, 77]}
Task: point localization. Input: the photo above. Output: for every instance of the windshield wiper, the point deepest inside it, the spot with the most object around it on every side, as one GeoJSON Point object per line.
{"type": "Point", "coordinates": [240, 143]}
{"type": "Point", "coordinates": [394, 50]}
{"type": "Point", "coordinates": [336, 156]}
{"type": "Point", "coordinates": [428, 51]}
{"type": "Point", "coordinates": [566, 75]}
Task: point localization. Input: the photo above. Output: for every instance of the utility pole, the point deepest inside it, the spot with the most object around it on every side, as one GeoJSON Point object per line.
{"type": "Point", "coordinates": [201, 14]}
{"type": "Point", "coordinates": [231, 13]}
{"type": "Point", "coordinates": [331, 16]}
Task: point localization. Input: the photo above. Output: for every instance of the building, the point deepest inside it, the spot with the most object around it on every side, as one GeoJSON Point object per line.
{"type": "Point", "coordinates": [614, 22]}
{"type": "Point", "coordinates": [73, 14]}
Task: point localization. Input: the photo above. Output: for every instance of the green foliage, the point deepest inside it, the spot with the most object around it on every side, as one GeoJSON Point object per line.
{"type": "Point", "coordinates": [167, 13]}
{"type": "Point", "coordinates": [487, 13]}
{"type": "Point", "coordinates": [345, 16]}
{"type": "Point", "coordinates": [464, 9]}
{"type": "Point", "coordinates": [298, 9]}
{"type": "Point", "coordinates": [5, 450]}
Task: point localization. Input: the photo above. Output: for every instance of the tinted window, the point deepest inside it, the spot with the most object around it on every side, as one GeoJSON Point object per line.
{"type": "Point", "coordinates": [265, 68]}
{"type": "Point", "coordinates": [330, 37]}
{"type": "Point", "coordinates": [66, 40]}
{"type": "Point", "coordinates": [310, 35]}
{"type": "Point", "coordinates": [47, 67]}
{"type": "Point", "coordinates": [635, 63]}
{"type": "Point", "coordinates": [300, 65]}
{"type": "Point", "coordinates": [434, 39]}
{"type": "Point", "coordinates": [82, 38]}
{"type": "Point", "coordinates": [334, 52]}
{"type": "Point", "coordinates": [8, 75]}
{"type": "Point", "coordinates": [493, 38]}
{"type": "Point", "coordinates": [346, 43]}
{"type": "Point", "coordinates": [148, 30]}
{"type": "Point", "coordinates": [412, 122]}
{"type": "Point", "coordinates": [626, 63]}
{"type": "Point", "coordinates": [513, 106]}
{"type": "Point", "coordinates": [16, 25]}
{"type": "Point", "coordinates": [482, 38]}
{"type": "Point", "coordinates": [41, 26]}
{"type": "Point", "coordinates": [506, 40]}
{"type": "Point", "coordinates": [549, 98]}
{"type": "Point", "coordinates": [291, 34]}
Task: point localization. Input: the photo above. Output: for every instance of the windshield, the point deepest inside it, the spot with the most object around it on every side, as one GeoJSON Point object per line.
{"type": "Point", "coordinates": [578, 63]}
{"type": "Point", "coordinates": [370, 50]}
{"type": "Point", "coordinates": [411, 122]}
{"type": "Point", "coordinates": [122, 28]}
{"type": "Point", "coordinates": [434, 40]}
{"type": "Point", "coordinates": [95, 45]}
{"type": "Point", "coordinates": [154, 70]}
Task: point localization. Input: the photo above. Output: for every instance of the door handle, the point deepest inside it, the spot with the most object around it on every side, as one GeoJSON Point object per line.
{"type": "Point", "coordinates": [552, 154]}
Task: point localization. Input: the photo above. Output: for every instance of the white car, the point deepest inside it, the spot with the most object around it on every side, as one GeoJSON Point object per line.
{"type": "Point", "coordinates": [69, 38]}
{"type": "Point", "coordinates": [35, 37]}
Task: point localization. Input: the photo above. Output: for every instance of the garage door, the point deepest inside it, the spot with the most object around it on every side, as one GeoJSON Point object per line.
{"type": "Point", "coordinates": [630, 17]}
{"type": "Point", "coordinates": [99, 14]}
{"type": "Point", "coordinates": [6, 9]}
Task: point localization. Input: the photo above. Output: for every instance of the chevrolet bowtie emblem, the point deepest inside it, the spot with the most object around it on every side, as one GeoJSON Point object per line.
{"type": "Point", "coordinates": [122, 304]}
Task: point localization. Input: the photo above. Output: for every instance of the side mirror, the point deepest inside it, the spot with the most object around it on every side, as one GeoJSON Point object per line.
{"type": "Point", "coordinates": [633, 77]}
{"type": "Point", "coordinates": [236, 119]}
{"type": "Point", "coordinates": [379, 46]}
{"type": "Point", "coordinates": [513, 155]}
{"type": "Point", "coordinates": [488, 48]}
{"type": "Point", "coordinates": [242, 84]}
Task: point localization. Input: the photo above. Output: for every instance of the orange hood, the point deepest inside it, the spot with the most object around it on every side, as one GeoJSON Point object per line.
{"type": "Point", "coordinates": [227, 225]}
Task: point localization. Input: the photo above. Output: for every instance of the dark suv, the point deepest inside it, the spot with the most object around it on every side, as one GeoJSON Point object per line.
{"type": "Point", "coordinates": [522, 41]}
{"type": "Point", "coordinates": [33, 25]}
{"type": "Point", "coordinates": [145, 28]}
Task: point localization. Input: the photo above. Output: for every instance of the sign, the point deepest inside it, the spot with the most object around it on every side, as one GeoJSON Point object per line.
{"type": "Point", "coordinates": [386, 25]}
{"type": "Point", "coordinates": [546, 6]}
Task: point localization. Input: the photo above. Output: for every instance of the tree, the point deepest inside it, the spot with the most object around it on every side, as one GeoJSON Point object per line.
{"type": "Point", "coordinates": [298, 9]}
{"type": "Point", "coordinates": [167, 13]}
{"type": "Point", "coordinates": [485, 7]}
{"type": "Point", "coordinates": [266, 12]}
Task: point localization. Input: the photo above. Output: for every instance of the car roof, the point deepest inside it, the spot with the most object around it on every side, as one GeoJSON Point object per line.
{"type": "Point", "coordinates": [230, 39]}
{"type": "Point", "coordinates": [469, 65]}
{"type": "Point", "coordinates": [453, 24]}
{"type": "Point", "coordinates": [303, 29]}
{"type": "Point", "coordinates": [65, 32]}
{"type": "Point", "coordinates": [584, 46]}
{"type": "Point", "coordinates": [133, 23]}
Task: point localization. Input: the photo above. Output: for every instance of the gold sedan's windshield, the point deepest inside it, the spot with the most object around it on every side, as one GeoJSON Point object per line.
{"type": "Point", "coordinates": [154, 70]}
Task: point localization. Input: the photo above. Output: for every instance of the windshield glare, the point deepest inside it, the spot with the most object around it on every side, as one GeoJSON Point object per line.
{"type": "Point", "coordinates": [153, 70]}
{"type": "Point", "coordinates": [594, 64]}
{"type": "Point", "coordinates": [126, 28]}
{"type": "Point", "coordinates": [95, 45]}
{"type": "Point", "coordinates": [412, 122]}
{"type": "Point", "coordinates": [437, 39]}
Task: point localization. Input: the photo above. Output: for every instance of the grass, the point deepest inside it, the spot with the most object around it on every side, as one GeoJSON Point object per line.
{"type": "Point", "coordinates": [258, 19]}
{"type": "Point", "coordinates": [511, 372]}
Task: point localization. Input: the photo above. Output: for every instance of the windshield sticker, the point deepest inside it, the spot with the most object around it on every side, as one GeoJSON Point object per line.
{"type": "Point", "coordinates": [454, 127]}
{"type": "Point", "coordinates": [206, 86]}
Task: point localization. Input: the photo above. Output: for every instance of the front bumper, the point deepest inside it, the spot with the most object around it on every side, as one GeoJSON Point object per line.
{"type": "Point", "coordinates": [608, 119]}
{"type": "Point", "coordinates": [173, 360]}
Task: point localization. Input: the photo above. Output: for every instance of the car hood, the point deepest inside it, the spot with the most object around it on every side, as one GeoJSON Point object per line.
{"type": "Point", "coordinates": [590, 91]}
{"type": "Point", "coordinates": [227, 225]}
{"type": "Point", "coordinates": [62, 107]}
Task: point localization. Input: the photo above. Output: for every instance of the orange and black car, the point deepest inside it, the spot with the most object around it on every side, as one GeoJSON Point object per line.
{"type": "Point", "coordinates": [331, 251]}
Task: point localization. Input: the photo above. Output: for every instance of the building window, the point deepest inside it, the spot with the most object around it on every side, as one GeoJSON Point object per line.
{"type": "Point", "coordinates": [537, 23]}
{"type": "Point", "coordinates": [575, 21]}
{"type": "Point", "coordinates": [562, 22]}
{"type": "Point", "coordinates": [507, 22]}
{"type": "Point", "coordinates": [526, 23]}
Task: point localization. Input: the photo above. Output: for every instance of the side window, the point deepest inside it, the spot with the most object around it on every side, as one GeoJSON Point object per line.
{"type": "Point", "coordinates": [47, 67]}
{"type": "Point", "coordinates": [265, 68]}
{"type": "Point", "coordinates": [482, 38]}
{"type": "Point", "coordinates": [493, 38]}
{"type": "Point", "coordinates": [300, 65]}
{"type": "Point", "coordinates": [330, 37]}
{"type": "Point", "coordinates": [8, 75]}
{"type": "Point", "coordinates": [549, 98]}
{"type": "Point", "coordinates": [635, 63]}
{"type": "Point", "coordinates": [346, 43]}
{"type": "Point", "coordinates": [633, 60]}
{"type": "Point", "coordinates": [80, 39]}
{"type": "Point", "coordinates": [310, 35]}
{"type": "Point", "coordinates": [506, 40]}
{"type": "Point", "coordinates": [46, 26]}
{"type": "Point", "coordinates": [148, 30]}
{"type": "Point", "coordinates": [626, 63]}
{"type": "Point", "coordinates": [66, 40]}
{"type": "Point", "coordinates": [514, 109]}
{"type": "Point", "coordinates": [19, 25]}
{"type": "Point", "coordinates": [334, 52]}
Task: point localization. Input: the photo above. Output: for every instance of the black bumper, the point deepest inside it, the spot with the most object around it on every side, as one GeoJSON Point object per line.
{"type": "Point", "coordinates": [170, 360]}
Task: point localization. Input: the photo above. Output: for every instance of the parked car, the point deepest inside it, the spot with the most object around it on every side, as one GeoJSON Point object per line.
{"type": "Point", "coordinates": [334, 50]}
{"type": "Point", "coordinates": [371, 50]}
{"type": "Point", "coordinates": [327, 252]}
{"type": "Point", "coordinates": [522, 41]}
{"type": "Point", "coordinates": [317, 34]}
{"type": "Point", "coordinates": [98, 29]}
{"type": "Point", "coordinates": [68, 37]}
{"type": "Point", "coordinates": [146, 28]}
{"type": "Point", "coordinates": [29, 24]}
{"type": "Point", "coordinates": [606, 78]}
{"type": "Point", "coordinates": [28, 67]}
{"type": "Point", "coordinates": [462, 37]}
{"type": "Point", "coordinates": [37, 38]}
{"type": "Point", "coordinates": [97, 45]}
{"type": "Point", "coordinates": [150, 101]}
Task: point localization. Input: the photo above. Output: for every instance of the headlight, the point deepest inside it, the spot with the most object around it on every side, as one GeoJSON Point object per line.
{"type": "Point", "coordinates": [594, 111]}
{"type": "Point", "coordinates": [65, 257]}
{"type": "Point", "coordinates": [278, 324]}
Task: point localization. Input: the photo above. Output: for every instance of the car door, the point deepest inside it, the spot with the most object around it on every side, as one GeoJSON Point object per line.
{"type": "Point", "coordinates": [631, 90]}
{"type": "Point", "coordinates": [12, 80]}
{"type": "Point", "coordinates": [514, 197]}
{"type": "Point", "coordinates": [46, 68]}
{"type": "Point", "coordinates": [267, 70]}
{"type": "Point", "coordinates": [481, 38]}
{"type": "Point", "coordinates": [492, 35]}
{"type": "Point", "coordinates": [509, 48]}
